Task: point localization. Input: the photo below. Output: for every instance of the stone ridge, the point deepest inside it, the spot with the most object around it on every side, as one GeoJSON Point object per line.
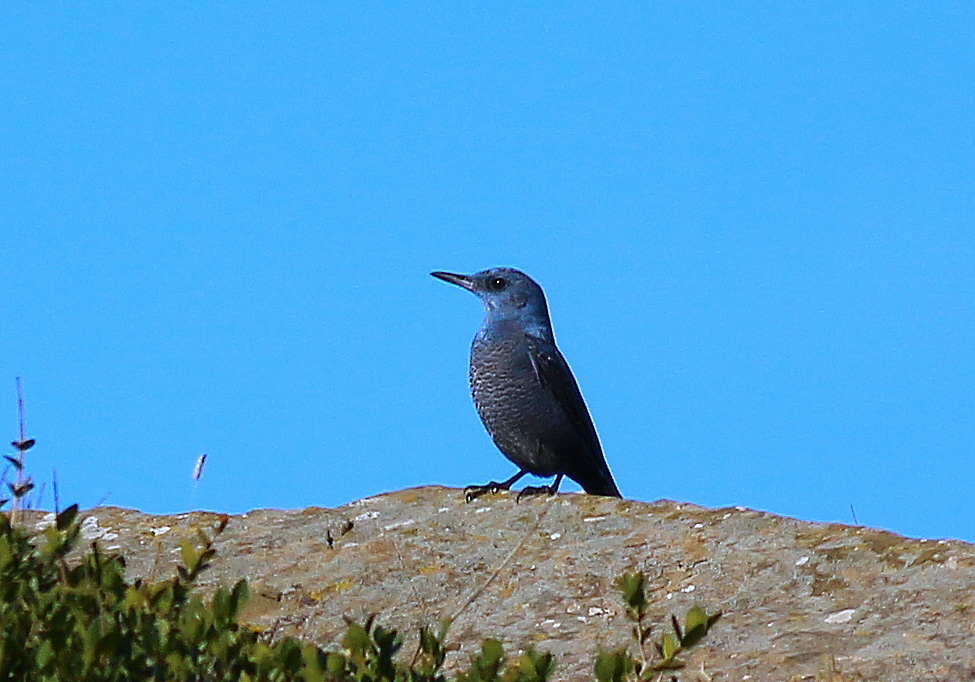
{"type": "Point", "coordinates": [801, 601]}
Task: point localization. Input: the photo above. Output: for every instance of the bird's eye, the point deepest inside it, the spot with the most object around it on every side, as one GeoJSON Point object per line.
{"type": "Point", "coordinates": [498, 283]}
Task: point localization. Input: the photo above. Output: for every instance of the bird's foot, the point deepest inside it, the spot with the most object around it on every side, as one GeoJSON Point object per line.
{"type": "Point", "coordinates": [532, 490]}
{"type": "Point", "coordinates": [472, 492]}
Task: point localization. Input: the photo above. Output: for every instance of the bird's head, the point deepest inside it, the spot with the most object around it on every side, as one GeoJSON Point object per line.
{"type": "Point", "coordinates": [506, 293]}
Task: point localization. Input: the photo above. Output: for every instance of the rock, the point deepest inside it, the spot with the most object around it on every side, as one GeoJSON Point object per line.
{"type": "Point", "coordinates": [801, 601]}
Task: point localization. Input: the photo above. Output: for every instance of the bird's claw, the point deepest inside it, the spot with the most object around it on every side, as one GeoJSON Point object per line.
{"type": "Point", "coordinates": [535, 490]}
{"type": "Point", "coordinates": [472, 492]}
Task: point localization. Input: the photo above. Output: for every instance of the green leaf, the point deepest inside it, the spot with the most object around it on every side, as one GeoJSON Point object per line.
{"type": "Point", "coordinates": [695, 617]}
{"type": "Point", "coordinates": [67, 517]}
{"type": "Point", "coordinates": [535, 666]}
{"type": "Point", "coordinates": [239, 596]}
{"type": "Point", "coordinates": [190, 555]}
{"type": "Point", "coordinates": [677, 629]}
{"type": "Point", "coordinates": [45, 654]}
{"type": "Point", "coordinates": [695, 627]}
{"type": "Point", "coordinates": [611, 666]}
{"type": "Point", "coordinates": [668, 646]}
{"type": "Point", "coordinates": [335, 663]}
{"type": "Point", "coordinates": [356, 639]}
{"type": "Point", "coordinates": [492, 650]}
{"type": "Point", "coordinates": [697, 623]}
{"type": "Point", "coordinates": [6, 553]}
{"type": "Point", "coordinates": [632, 587]}
{"type": "Point", "coordinates": [486, 665]}
{"type": "Point", "coordinates": [314, 663]}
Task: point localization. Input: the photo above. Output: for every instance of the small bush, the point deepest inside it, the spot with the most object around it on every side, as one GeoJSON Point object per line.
{"type": "Point", "coordinates": [620, 665]}
{"type": "Point", "coordinates": [86, 622]}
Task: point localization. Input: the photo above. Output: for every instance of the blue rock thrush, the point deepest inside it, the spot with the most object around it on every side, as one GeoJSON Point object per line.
{"type": "Point", "coordinates": [524, 391]}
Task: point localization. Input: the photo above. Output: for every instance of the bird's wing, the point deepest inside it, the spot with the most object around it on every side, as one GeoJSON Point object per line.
{"type": "Point", "coordinates": [552, 372]}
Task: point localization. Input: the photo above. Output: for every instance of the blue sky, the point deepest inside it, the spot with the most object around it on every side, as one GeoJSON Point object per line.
{"type": "Point", "coordinates": [753, 224]}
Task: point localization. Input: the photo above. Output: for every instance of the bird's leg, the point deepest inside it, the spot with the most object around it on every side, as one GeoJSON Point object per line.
{"type": "Point", "coordinates": [472, 492]}
{"type": "Point", "coordinates": [539, 489]}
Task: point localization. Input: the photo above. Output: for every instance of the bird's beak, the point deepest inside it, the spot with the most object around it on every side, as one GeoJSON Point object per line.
{"type": "Point", "coordinates": [465, 281]}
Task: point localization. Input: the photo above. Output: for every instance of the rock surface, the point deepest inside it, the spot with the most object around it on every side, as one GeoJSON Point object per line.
{"type": "Point", "coordinates": [801, 601]}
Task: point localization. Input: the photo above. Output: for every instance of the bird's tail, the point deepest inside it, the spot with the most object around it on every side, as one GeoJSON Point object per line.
{"type": "Point", "coordinates": [599, 483]}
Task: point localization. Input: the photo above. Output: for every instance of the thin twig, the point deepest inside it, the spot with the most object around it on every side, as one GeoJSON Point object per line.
{"type": "Point", "coordinates": [23, 436]}
{"type": "Point", "coordinates": [494, 574]}
{"type": "Point", "coordinates": [15, 509]}
{"type": "Point", "coordinates": [416, 596]}
{"type": "Point", "coordinates": [57, 495]}
{"type": "Point", "coordinates": [640, 637]}
{"type": "Point", "coordinates": [20, 411]}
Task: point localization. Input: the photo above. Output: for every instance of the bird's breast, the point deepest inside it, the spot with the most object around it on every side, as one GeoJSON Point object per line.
{"type": "Point", "coordinates": [501, 374]}
{"type": "Point", "coordinates": [519, 413]}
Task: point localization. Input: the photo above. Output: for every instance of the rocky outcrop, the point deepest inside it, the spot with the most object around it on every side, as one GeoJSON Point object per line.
{"type": "Point", "coordinates": [801, 601]}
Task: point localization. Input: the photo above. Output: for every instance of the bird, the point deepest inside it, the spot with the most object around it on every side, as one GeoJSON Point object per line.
{"type": "Point", "coordinates": [524, 391]}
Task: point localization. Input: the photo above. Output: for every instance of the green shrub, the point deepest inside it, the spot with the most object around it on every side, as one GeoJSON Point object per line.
{"type": "Point", "coordinates": [86, 622]}
{"type": "Point", "coordinates": [620, 665]}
